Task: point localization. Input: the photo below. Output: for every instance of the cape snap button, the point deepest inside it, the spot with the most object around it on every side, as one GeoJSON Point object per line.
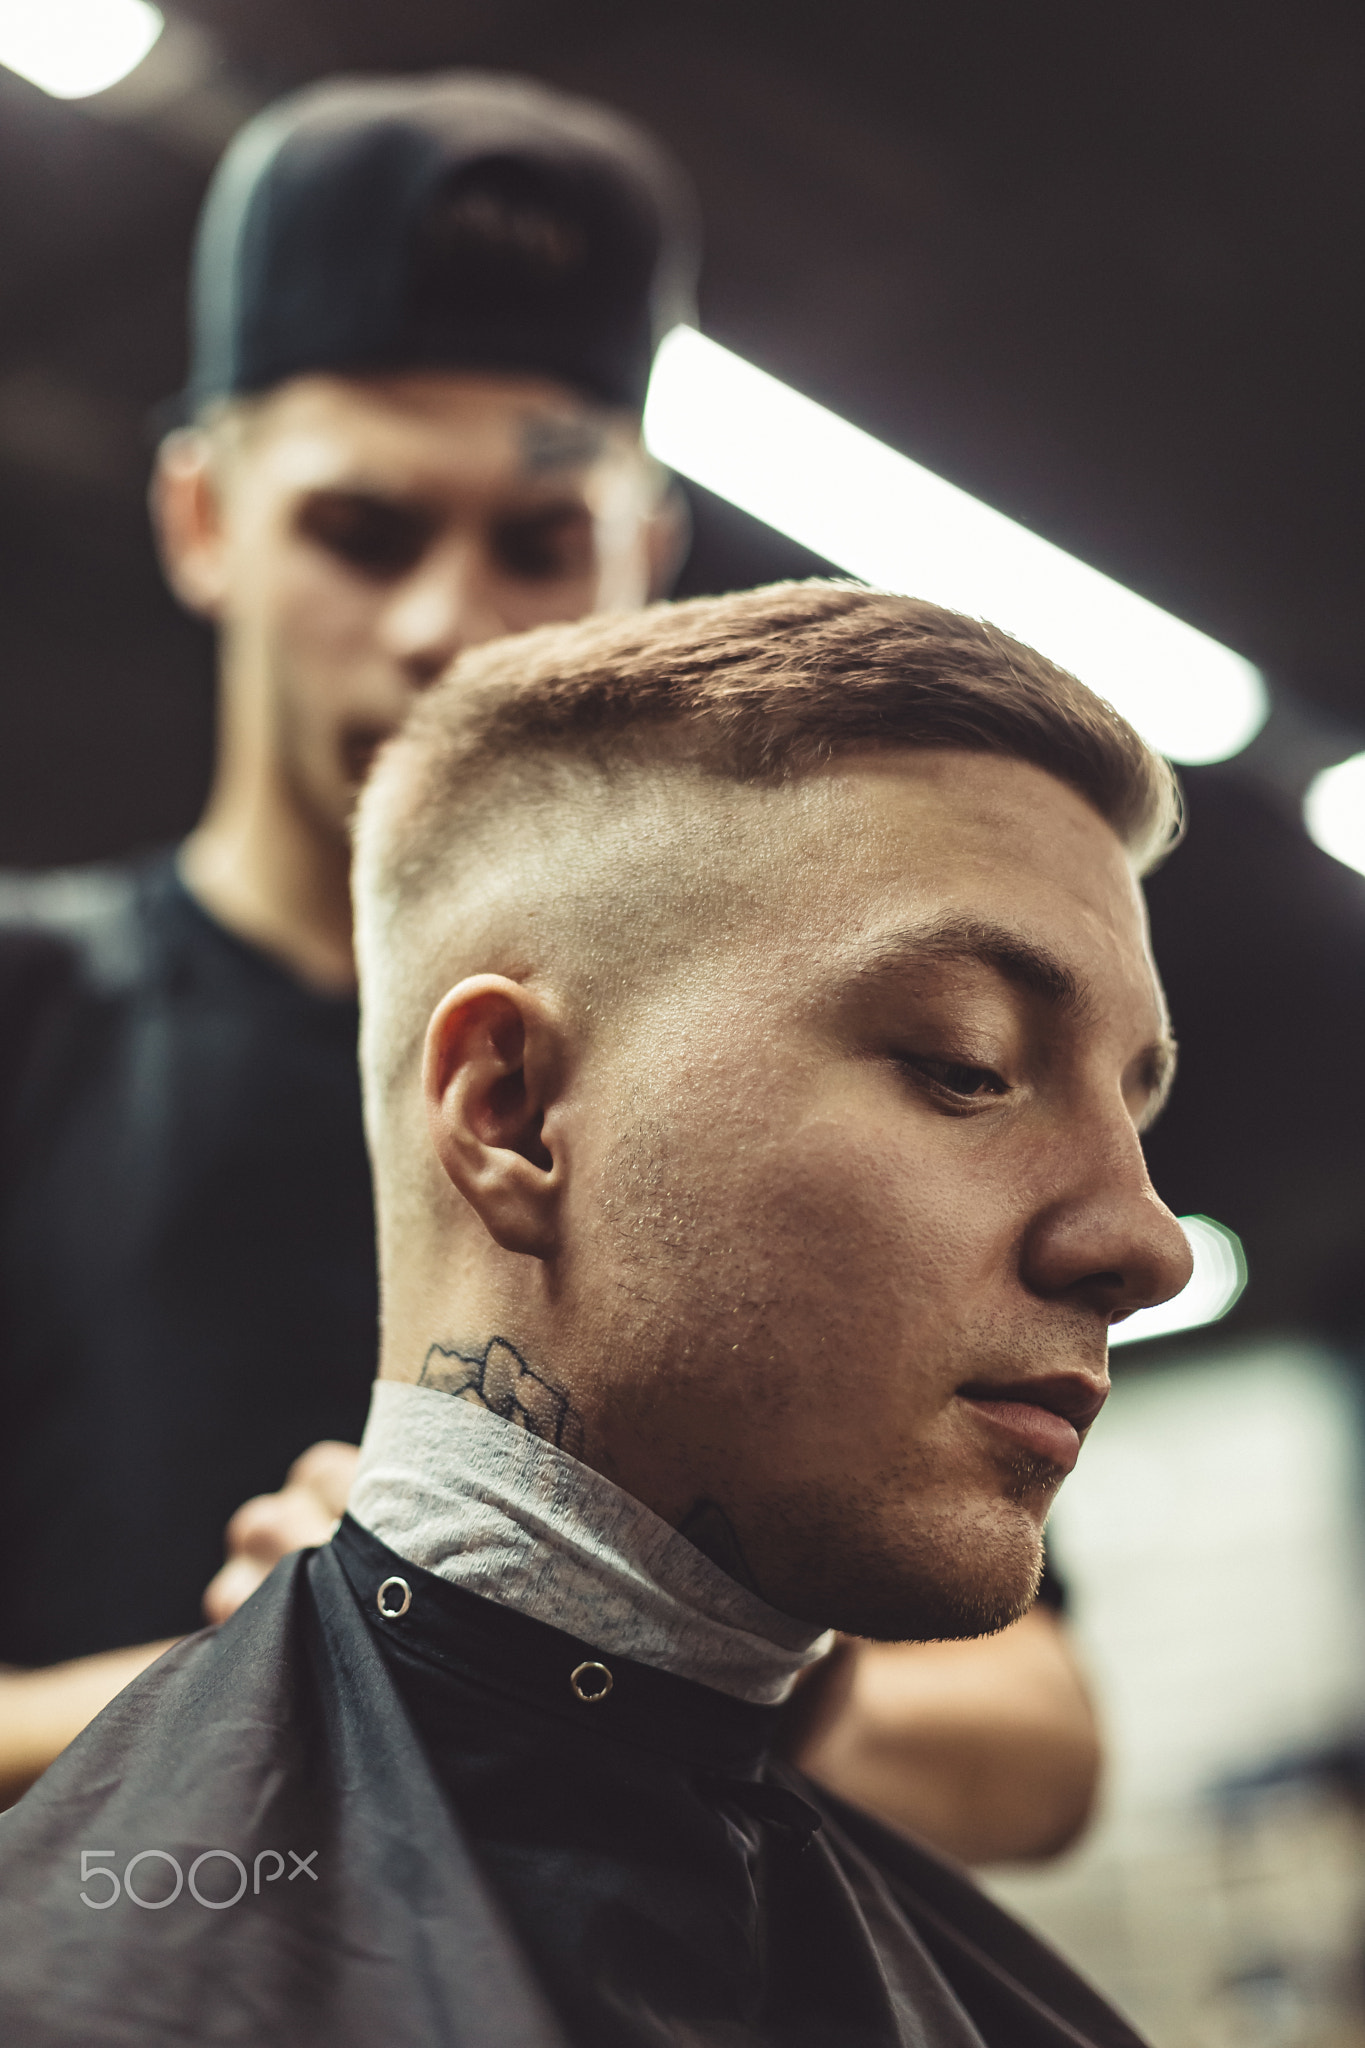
{"type": "Point", "coordinates": [393, 1599]}
{"type": "Point", "coordinates": [590, 1683]}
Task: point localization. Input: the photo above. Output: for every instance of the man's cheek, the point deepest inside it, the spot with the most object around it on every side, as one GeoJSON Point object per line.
{"type": "Point", "coordinates": [849, 1202]}
{"type": "Point", "coordinates": [331, 624]}
{"type": "Point", "coordinates": [556, 603]}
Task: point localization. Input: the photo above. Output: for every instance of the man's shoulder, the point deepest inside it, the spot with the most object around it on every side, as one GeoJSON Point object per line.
{"type": "Point", "coordinates": [77, 923]}
{"type": "Point", "coordinates": [74, 942]}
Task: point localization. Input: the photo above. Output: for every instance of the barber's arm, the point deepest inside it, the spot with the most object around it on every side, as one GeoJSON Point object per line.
{"type": "Point", "coordinates": [987, 1749]}
{"type": "Point", "coordinates": [41, 1711]}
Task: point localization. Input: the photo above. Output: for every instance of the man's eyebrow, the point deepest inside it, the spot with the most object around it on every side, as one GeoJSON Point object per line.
{"type": "Point", "coordinates": [973, 941]}
{"type": "Point", "coordinates": [377, 490]}
{"type": "Point", "coordinates": [1019, 960]}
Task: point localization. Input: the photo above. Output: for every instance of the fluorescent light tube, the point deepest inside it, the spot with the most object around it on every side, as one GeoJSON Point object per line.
{"type": "Point", "coordinates": [1334, 812]}
{"type": "Point", "coordinates": [73, 48]}
{"type": "Point", "coordinates": [801, 469]}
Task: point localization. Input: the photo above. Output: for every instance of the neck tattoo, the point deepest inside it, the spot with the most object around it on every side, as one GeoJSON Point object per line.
{"type": "Point", "coordinates": [498, 1378]}
{"type": "Point", "coordinates": [709, 1529]}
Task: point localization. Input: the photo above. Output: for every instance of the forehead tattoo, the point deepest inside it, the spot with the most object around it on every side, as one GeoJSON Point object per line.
{"type": "Point", "coordinates": [550, 441]}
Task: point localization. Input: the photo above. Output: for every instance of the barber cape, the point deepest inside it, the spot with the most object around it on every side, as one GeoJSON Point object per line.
{"type": "Point", "coordinates": [378, 1809]}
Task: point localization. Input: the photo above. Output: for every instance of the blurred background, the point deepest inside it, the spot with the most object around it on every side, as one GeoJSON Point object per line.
{"type": "Point", "coordinates": [1101, 269]}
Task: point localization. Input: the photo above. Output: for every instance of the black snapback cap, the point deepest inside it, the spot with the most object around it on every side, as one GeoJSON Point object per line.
{"type": "Point", "coordinates": [462, 220]}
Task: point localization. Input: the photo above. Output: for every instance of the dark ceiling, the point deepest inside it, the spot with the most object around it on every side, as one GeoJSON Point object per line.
{"type": "Point", "coordinates": [1101, 266]}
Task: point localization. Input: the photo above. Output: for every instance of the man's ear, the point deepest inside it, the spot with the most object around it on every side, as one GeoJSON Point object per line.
{"type": "Point", "coordinates": [186, 511]}
{"type": "Point", "coordinates": [492, 1068]}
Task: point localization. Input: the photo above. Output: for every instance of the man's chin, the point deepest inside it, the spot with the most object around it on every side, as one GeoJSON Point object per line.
{"type": "Point", "coordinates": [940, 1613]}
{"type": "Point", "coordinates": [948, 1578]}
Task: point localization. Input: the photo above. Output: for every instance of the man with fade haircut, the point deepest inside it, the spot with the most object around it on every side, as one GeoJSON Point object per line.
{"type": "Point", "coordinates": [425, 312]}
{"type": "Point", "coordinates": [759, 1031]}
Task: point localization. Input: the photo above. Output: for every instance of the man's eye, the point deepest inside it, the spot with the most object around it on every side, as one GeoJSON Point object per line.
{"type": "Point", "coordinates": [382, 540]}
{"type": "Point", "coordinates": [545, 545]}
{"type": "Point", "coordinates": [954, 1077]}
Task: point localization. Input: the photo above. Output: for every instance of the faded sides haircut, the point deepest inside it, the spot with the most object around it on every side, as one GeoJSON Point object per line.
{"type": "Point", "coordinates": [534, 739]}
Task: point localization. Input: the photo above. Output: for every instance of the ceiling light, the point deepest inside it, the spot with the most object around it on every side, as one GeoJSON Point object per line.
{"type": "Point", "coordinates": [838, 491]}
{"type": "Point", "coordinates": [1334, 812]}
{"type": "Point", "coordinates": [72, 48]}
{"type": "Point", "coordinates": [1220, 1274]}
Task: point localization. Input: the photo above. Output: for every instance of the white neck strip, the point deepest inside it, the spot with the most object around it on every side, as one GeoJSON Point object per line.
{"type": "Point", "coordinates": [486, 1505]}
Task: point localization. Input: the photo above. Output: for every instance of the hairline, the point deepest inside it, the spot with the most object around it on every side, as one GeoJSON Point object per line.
{"type": "Point", "coordinates": [677, 774]}
{"type": "Point", "coordinates": [758, 690]}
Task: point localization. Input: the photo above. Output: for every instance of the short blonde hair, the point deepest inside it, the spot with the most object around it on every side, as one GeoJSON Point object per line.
{"type": "Point", "coordinates": [766, 684]}
{"type": "Point", "coordinates": [761, 687]}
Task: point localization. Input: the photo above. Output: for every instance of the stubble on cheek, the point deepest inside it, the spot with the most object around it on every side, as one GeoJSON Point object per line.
{"type": "Point", "coordinates": [748, 1345]}
{"type": "Point", "coordinates": [793, 1338]}
{"type": "Point", "coordinates": [944, 1572]}
{"type": "Point", "coordinates": [759, 1238]}
{"type": "Point", "coordinates": [690, 1296]}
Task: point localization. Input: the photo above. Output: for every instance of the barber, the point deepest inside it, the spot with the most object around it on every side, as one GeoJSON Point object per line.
{"type": "Point", "coordinates": [425, 313]}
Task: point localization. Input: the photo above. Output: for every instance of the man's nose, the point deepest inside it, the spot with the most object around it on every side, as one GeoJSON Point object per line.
{"type": "Point", "coordinates": [1108, 1242]}
{"type": "Point", "coordinates": [445, 606]}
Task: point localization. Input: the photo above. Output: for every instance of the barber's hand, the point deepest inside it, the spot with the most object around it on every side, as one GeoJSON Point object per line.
{"type": "Point", "coordinates": [304, 1512]}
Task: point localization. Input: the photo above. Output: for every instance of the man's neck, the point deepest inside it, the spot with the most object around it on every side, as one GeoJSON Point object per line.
{"type": "Point", "coordinates": [276, 879]}
{"type": "Point", "coordinates": [449, 1483]}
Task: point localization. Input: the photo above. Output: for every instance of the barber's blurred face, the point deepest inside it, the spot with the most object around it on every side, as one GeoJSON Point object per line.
{"type": "Point", "coordinates": [859, 1186]}
{"type": "Point", "coordinates": [350, 537]}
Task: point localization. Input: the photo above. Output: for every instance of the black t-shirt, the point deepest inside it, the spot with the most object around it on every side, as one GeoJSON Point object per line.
{"type": "Point", "coordinates": [187, 1279]}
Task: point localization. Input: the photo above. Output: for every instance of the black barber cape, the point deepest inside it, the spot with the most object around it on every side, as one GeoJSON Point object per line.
{"type": "Point", "coordinates": [320, 1828]}
{"type": "Point", "coordinates": [187, 1285]}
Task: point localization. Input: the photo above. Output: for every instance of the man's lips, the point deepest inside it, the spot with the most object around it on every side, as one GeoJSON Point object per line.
{"type": "Point", "coordinates": [1045, 1416]}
